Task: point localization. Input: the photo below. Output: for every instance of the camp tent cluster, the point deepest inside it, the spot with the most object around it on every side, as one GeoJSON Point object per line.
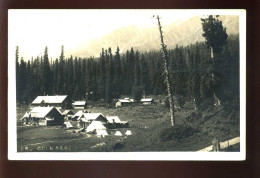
{"type": "Point", "coordinates": [45, 111]}
{"type": "Point", "coordinates": [97, 123]}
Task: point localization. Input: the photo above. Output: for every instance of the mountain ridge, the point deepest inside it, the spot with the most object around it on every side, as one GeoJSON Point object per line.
{"type": "Point", "coordinates": [146, 39]}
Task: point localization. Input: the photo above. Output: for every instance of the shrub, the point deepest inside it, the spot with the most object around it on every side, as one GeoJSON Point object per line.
{"type": "Point", "coordinates": [118, 146]}
{"type": "Point", "coordinates": [177, 132]}
{"type": "Point", "coordinates": [194, 116]}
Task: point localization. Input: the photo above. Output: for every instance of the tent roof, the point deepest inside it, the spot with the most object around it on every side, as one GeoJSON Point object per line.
{"type": "Point", "coordinates": [91, 116]}
{"type": "Point", "coordinates": [146, 99]}
{"type": "Point", "coordinates": [128, 132]}
{"type": "Point", "coordinates": [78, 114]}
{"type": "Point", "coordinates": [118, 133]}
{"type": "Point", "coordinates": [79, 103]}
{"type": "Point", "coordinates": [102, 132]}
{"type": "Point", "coordinates": [115, 118]}
{"type": "Point", "coordinates": [68, 124]}
{"type": "Point", "coordinates": [67, 111]}
{"type": "Point", "coordinates": [50, 99]}
{"type": "Point", "coordinates": [25, 115]}
{"type": "Point", "coordinates": [124, 101]}
{"type": "Point", "coordinates": [95, 125]}
{"type": "Point", "coordinates": [41, 112]}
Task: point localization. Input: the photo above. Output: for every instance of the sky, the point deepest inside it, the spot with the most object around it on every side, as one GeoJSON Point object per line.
{"type": "Point", "coordinates": [32, 30]}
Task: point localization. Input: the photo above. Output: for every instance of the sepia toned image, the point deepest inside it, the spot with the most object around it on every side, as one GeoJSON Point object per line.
{"type": "Point", "coordinates": [126, 84]}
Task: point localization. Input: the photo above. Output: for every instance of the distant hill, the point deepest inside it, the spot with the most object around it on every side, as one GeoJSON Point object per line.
{"type": "Point", "coordinates": [183, 33]}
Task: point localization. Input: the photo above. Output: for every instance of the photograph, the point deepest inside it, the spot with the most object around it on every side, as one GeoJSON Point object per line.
{"type": "Point", "coordinates": [126, 84]}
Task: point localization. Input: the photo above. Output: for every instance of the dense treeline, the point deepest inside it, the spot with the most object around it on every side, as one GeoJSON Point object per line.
{"type": "Point", "coordinates": [132, 73]}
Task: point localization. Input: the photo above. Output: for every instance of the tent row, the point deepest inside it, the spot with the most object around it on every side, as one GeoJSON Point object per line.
{"type": "Point", "coordinates": [103, 133]}
{"type": "Point", "coordinates": [84, 118]}
{"type": "Point", "coordinates": [94, 123]}
{"type": "Point", "coordinates": [96, 127]}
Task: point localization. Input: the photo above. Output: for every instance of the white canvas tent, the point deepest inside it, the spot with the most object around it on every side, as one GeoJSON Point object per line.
{"type": "Point", "coordinates": [128, 132]}
{"type": "Point", "coordinates": [89, 117]}
{"type": "Point", "coordinates": [113, 119]}
{"type": "Point", "coordinates": [26, 115]}
{"type": "Point", "coordinates": [95, 125]}
{"type": "Point", "coordinates": [118, 133]}
{"type": "Point", "coordinates": [79, 115]}
{"type": "Point", "coordinates": [102, 133]}
{"type": "Point", "coordinates": [68, 125]}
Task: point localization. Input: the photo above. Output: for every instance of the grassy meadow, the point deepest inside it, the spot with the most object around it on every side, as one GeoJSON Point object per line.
{"type": "Point", "coordinates": [150, 126]}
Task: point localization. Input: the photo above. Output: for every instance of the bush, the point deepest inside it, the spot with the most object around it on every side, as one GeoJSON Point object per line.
{"type": "Point", "coordinates": [205, 103]}
{"type": "Point", "coordinates": [177, 132]}
{"type": "Point", "coordinates": [194, 116]}
{"type": "Point", "coordinates": [118, 146]}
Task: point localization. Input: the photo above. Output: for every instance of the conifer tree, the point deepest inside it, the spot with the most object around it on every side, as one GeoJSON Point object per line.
{"type": "Point", "coordinates": [60, 82]}
{"type": "Point", "coordinates": [22, 76]}
{"type": "Point", "coordinates": [102, 73]}
{"type": "Point", "coordinates": [117, 74]}
{"type": "Point", "coordinates": [109, 77]}
{"type": "Point", "coordinates": [196, 79]}
{"type": "Point", "coordinates": [29, 86]}
{"type": "Point", "coordinates": [18, 82]}
{"type": "Point", "coordinates": [70, 76]}
{"type": "Point", "coordinates": [216, 37]}
{"type": "Point", "coordinates": [46, 72]}
{"type": "Point", "coordinates": [181, 77]}
{"type": "Point", "coordinates": [144, 75]}
{"type": "Point", "coordinates": [55, 76]}
{"type": "Point", "coordinates": [137, 89]}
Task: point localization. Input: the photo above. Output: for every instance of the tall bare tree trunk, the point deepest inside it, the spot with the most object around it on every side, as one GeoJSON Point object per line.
{"type": "Point", "coordinates": [166, 72]}
{"type": "Point", "coordinates": [217, 100]}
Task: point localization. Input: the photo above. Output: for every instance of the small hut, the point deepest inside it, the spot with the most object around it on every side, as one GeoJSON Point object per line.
{"type": "Point", "coordinates": [124, 102]}
{"type": "Point", "coordinates": [147, 101]}
{"type": "Point", "coordinates": [43, 116]}
{"type": "Point", "coordinates": [79, 105]}
{"type": "Point", "coordinates": [59, 101]}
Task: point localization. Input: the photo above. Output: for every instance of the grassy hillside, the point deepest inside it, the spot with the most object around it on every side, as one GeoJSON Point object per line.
{"type": "Point", "coordinates": [151, 130]}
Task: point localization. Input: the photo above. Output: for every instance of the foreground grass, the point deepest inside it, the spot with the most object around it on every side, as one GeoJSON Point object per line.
{"type": "Point", "coordinates": [147, 124]}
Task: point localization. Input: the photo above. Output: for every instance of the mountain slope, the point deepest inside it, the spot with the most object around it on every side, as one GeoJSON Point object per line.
{"type": "Point", "coordinates": [146, 39]}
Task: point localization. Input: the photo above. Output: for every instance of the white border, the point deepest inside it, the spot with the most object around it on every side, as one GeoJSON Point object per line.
{"type": "Point", "coordinates": [163, 156]}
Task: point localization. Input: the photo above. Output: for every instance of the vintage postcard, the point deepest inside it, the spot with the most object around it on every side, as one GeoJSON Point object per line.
{"type": "Point", "coordinates": [131, 84]}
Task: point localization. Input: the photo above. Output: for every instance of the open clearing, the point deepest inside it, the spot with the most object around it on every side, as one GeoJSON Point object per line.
{"type": "Point", "coordinates": [150, 126]}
